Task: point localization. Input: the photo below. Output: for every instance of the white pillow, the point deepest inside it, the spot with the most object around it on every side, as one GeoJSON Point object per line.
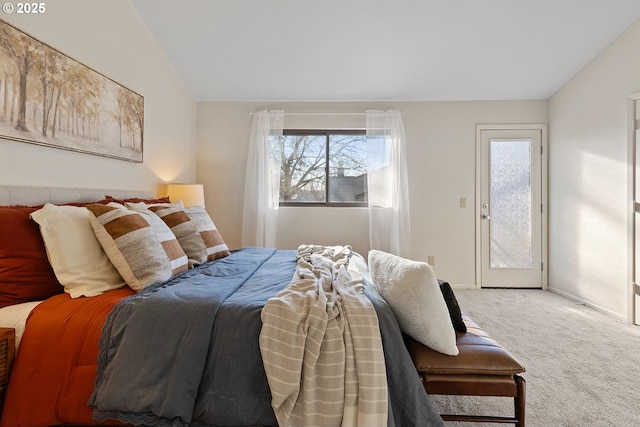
{"type": "Point", "coordinates": [76, 256]}
{"type": "Point", "coordinates": [412, 291]}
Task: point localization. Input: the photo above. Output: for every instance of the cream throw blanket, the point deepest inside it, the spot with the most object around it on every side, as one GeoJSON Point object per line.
{"type": "Point", "coordinates": [321, 346]}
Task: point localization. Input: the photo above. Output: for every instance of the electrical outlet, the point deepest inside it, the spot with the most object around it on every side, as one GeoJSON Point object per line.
{"type": "Point", "coordinates": [463, 202]}
{"type": "Point", "coordinates": [431, 260]}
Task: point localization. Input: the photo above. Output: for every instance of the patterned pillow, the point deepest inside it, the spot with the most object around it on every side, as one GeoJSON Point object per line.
{"type": "Point", "coordinates": [196, 232]}
{"type": "Point", "coordinates": [109, 198]}
{"type": "Point", "coordinates": [143, 205]}
{"type": "Point", "coordinates": [140, 245]}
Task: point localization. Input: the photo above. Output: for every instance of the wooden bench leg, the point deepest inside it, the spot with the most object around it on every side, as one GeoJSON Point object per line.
{"type": "Point", "coordinates": [520, 400]}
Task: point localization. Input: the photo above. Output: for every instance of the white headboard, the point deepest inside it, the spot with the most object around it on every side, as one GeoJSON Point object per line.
{"type": "Point", "coordinates": [34, 196]}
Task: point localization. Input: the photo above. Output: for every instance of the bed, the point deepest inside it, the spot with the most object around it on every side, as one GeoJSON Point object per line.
{"type": "Point", "coordinates": [194, 341]}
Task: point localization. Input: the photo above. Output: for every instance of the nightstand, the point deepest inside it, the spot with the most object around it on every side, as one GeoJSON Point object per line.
{"type": "Point", "coordinates": [7, 353]}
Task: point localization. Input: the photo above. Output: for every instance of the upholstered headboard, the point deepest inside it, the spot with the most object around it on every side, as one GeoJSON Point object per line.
{"type": "Point", "coordinates": [33, 196]}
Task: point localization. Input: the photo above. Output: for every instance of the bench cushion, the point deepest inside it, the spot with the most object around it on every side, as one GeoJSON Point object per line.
{"type": "Point", "coordinates": [479, 355]}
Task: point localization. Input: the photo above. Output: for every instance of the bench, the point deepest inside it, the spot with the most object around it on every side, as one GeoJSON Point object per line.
{"type": "Point", "coordinates": [483, 368]}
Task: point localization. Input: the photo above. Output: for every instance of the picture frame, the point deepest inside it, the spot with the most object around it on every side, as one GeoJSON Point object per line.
{"type": "Point", "coordinates": [50, 99]}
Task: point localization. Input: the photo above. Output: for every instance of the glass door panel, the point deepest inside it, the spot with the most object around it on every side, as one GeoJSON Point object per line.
{"type": "Point", "coordinates": [510, 203]}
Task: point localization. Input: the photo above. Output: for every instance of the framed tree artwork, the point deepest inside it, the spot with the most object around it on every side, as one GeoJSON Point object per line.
{"type": "Point", "coordinates": [49, 99]}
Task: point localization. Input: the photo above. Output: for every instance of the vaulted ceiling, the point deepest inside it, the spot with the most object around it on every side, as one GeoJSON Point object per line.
{"type": "Point", "coordinates": [376, 50]}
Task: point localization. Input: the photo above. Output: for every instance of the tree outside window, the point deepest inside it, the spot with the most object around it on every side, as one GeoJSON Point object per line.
{"type": "Point", "coordinates": [321, 167]}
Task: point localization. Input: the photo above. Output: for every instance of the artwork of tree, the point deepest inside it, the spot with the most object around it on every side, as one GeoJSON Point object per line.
{"type": "Point", "coordinates": [47, 98]}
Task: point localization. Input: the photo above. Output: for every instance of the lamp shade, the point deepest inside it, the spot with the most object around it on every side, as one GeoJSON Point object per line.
{"type": "Point", "coordinates": [190, 194]}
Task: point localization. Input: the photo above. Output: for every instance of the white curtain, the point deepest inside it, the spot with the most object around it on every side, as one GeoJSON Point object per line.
{"type": "Point", "coordinates": [262, 182]}
{"type": "Point", "coordinates": [388, 185]}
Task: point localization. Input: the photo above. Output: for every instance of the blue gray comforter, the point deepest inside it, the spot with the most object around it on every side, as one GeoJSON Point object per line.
{"type": "Point", "coordinates": [186, 352]}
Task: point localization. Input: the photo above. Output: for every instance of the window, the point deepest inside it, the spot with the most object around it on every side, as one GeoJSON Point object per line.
{"type": "Point", "coordinates": [320, 167]}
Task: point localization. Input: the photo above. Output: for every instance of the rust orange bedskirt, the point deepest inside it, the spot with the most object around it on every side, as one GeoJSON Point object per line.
{"type": "Point", "coordinates": [55, 368]}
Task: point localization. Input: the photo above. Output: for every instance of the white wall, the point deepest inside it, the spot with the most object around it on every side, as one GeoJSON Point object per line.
{"type": "Point", "coordinates": [588, 177]}
{"type": "Point", "coordinates": [441, 155]}
{"type": "Point", "coordinates": [110, 37]}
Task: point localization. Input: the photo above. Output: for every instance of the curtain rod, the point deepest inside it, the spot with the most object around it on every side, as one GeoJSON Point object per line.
{"type": "Point", "coordinates": [322, 114]}
{"type": "Point", "coordinates": [319, 114]}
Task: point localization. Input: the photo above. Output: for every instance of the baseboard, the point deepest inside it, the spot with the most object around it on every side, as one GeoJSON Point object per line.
{"type": "Point", "coordinates": [463, 286]}
{"type": "Point", "coordinates": [587, 303]}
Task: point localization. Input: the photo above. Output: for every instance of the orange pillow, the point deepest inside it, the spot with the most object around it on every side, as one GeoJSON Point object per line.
{"type": "Point", "coordinates": [25, 272]}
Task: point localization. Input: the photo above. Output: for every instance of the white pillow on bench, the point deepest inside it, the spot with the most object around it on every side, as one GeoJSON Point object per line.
{"type": "Point", "coordinates": [412, 291]}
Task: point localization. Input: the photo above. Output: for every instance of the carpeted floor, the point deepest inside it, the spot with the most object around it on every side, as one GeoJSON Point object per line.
{"type": "Point", "coordinates": [583, 366]}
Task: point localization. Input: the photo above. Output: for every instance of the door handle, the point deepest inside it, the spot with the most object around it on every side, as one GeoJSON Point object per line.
{"type": "Point", "coordinates": [485, 216]}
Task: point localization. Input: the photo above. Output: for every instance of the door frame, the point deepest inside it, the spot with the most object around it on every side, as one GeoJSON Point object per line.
{"type": "Point", "coordinates": [543, 196]}
{"type": "Point", "coordinates": [633, 293]}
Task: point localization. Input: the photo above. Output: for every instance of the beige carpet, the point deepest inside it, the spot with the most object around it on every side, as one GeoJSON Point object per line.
{"type": "Point", "coordinates": [583, 366]}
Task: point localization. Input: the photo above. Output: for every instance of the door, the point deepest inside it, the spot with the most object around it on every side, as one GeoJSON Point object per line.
{"type": "Point", "coordinates": [510, 214]}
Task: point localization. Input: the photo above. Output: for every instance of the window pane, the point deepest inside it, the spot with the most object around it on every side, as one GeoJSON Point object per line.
{"type": "Point", "coordinates": [510, 187]}
{"type": "Point", "coordinates": [302, 172]}
{"type": "Point", "coordinates": [347, 168]}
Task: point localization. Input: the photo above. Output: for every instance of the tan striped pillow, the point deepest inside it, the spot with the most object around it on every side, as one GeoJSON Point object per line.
{"type": "Point", "coordinates": [141, 246]}
{"type": "Point", "coordinates": [196, 232]}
